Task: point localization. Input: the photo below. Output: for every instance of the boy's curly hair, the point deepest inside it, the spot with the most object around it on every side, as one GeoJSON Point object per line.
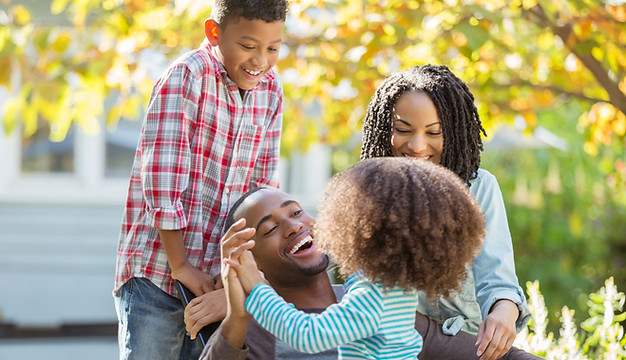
{"type": "Point", "coordinates": [455, 107]}
{"type": "Point", "coordinates": [404, 222]}
{"type": "Point", "coordinates": [227, 11]}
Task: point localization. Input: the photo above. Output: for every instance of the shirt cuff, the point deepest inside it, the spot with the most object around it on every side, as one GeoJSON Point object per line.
{"type": "Point", "coordinates": [168, 217]}
{"type": "Point", "coordinates": [524, 313]}
{"type": "Point", "coordinates": [524, 316]}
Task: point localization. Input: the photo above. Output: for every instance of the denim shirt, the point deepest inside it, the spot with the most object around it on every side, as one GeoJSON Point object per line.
{"type": "Point", "coordinates": [490, 278]}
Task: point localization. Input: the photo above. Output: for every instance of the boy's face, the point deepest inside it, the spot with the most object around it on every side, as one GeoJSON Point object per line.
{"type": "Point", "coordinates": [248, 49]}
{"type": "Point", "coordinates": [284, 242]}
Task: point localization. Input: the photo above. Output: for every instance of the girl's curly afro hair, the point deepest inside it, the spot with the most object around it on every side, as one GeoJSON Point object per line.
{"type": "Point", "coordinates": [404, 222]}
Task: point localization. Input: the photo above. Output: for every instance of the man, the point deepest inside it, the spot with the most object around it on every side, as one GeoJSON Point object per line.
{"type": "Point", "coordinates": [286, 253]}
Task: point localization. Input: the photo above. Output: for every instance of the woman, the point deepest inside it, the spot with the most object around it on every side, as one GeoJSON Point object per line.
{"type": "Point", "coordinates": [427, 112]}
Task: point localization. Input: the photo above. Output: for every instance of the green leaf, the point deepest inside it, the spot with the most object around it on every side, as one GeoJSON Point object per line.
{"type": "Point", "coordinates": [476, 35]}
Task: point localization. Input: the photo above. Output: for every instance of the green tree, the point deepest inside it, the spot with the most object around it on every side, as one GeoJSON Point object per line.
{"type": "Point", "coordinates": [519, 56]}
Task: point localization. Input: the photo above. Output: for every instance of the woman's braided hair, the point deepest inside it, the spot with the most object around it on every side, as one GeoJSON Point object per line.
{"type": "Point", "coordinates": [455, 107]}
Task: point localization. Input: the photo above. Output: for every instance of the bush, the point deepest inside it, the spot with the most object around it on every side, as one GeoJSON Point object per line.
{"type": "Point", "coordinates": [602, 335]}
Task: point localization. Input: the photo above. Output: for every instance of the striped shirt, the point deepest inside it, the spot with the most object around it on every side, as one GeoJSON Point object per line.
{"type": "Point", "coordinates": [367, 323]}
{"type": "Point", "coordinates": [202, 145]}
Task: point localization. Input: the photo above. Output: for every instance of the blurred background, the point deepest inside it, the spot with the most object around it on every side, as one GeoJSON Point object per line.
{"type": "Point", "coordinates": [549, 78]}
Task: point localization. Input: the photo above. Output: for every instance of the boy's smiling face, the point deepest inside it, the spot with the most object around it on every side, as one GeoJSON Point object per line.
{"type": "Point", "coordinates": [248, 49]}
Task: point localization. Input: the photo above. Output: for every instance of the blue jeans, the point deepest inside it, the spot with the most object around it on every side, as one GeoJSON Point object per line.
{"type": "Point", "coordinates": [151, 324]}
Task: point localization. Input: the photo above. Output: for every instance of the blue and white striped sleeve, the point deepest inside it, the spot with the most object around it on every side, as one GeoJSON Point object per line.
{"type": "Point", "coordinates": [356, 317]}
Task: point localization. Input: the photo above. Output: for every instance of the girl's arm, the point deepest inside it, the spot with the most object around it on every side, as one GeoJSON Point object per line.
{"type": "Point", "coordinates": [356, 317]}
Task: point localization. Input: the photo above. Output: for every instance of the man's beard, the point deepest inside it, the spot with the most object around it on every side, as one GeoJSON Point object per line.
{"type": "Point", "coordinates": [312, 269]}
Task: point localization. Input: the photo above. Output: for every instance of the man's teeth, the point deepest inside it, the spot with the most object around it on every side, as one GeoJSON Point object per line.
{"type": "Point", "coordinates": [298, 245]}
{"type": "Point", "coordinates": [251, 72]}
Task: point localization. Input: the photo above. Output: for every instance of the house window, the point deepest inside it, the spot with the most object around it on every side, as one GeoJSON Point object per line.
{"type": "Point", "coordinates": [40, 155]}
{"type": "Point", "coordinates": [120, 145]}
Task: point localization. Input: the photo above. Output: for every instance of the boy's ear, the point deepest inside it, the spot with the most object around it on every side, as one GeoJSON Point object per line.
{"type": "Point", "coordinates": [211, 30]}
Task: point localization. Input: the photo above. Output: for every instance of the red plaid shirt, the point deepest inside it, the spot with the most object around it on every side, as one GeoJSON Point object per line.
{"type": "Point", "coordinates": [201, 147]}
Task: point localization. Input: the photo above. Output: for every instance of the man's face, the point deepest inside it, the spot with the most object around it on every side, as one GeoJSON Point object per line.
{"type": "Point", "coordinates": [248, 49]}
{"type": "Point", "coordinates": [285, 246]}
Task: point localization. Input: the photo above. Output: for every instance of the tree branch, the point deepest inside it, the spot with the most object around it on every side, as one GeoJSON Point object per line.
{"type": "Point", "coordinates": [616, 96]}
{"type": "Point", "coordinates": [552, 88]}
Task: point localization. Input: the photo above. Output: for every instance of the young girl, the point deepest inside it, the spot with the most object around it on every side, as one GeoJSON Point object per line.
{"type": "Point", "coordinates": [427, 112]}
{"type": "Point", "coordinates": [391, 225]}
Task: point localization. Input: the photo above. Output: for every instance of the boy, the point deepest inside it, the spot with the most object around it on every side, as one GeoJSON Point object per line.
{"type": "Point", "coordinates": [212, 131]}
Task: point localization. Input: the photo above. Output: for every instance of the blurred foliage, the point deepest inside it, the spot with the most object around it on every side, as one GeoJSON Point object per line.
{"type": "Point", "coordinates": [558, 64]}
{"type": "Point", "coordinates": [566, 211]}
{"type": "Point", "coordinates": [519, 56]}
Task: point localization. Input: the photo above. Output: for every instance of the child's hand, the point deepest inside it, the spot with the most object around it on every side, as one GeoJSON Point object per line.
{"type": "Point", "coordinates": [242, 261]}
{"type": "Point", "coordinates": [234, 237]}
{"type": "Point", "coordinates": [193, 278]}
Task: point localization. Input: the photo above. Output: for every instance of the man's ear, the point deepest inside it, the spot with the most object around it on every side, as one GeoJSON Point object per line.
{"type": "Point", "coordinates": [211, 30]}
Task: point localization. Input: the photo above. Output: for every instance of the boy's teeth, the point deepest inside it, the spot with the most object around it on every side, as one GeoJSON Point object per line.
{"type": "Point", "coordinates": [253, 72]}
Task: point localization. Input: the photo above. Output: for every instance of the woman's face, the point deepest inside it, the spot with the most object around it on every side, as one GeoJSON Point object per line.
{"type": "Point", "coordinates": [416, 129]}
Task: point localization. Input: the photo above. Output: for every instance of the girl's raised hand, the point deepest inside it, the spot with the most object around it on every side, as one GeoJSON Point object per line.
{"type": "Point", "coordinates": [242, 261]}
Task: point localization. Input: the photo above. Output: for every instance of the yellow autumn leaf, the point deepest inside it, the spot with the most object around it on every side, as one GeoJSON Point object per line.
{"type": "Point", "coordinates": [618, 125]}
{"type": "Point", "coordinates": [51, 90]}
{"type": "Point", "coordinates": [12, 111]}
{"type": "Point", "coordinates": [542, 97]}
{"type": "Point", "coordinates": [531, 119]}
{"type": "Point", "coordinates": [583, 28]}
{"type": "Point", "coordinates": [113, 116]}
{"type": "Point", "coordinates": [61, 42]}
{"type": "Point", "coordinates": [58, 6]}
{"type": "Point", "coordinates": [60, 126]}
{"type": "Point", "coordinates": [520, 104]}
{"type": "Point", "coordinates": [21, 15]}
{"type": "Point", "coordinates": [30, 116]}
{"type": "Point", "coordinates": [5, 72]}
{"type": "Point", "coordinates": [131, 108]}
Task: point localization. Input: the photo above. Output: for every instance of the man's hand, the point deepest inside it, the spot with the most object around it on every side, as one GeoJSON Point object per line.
{"type": "Point", "coordinates": [497, 332]}
{"type": "Point", "coordinates": [203, 310]}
